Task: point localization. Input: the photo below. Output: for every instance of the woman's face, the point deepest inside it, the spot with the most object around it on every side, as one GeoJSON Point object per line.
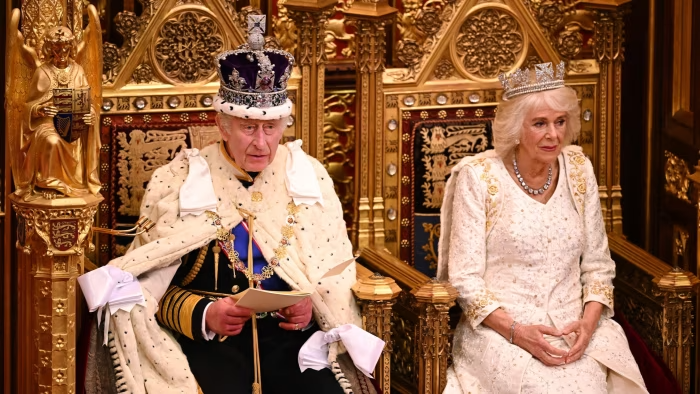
{"type": "Point", "coordinates": [543, 135]}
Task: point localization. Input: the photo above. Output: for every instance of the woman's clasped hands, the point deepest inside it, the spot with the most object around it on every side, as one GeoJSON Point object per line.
{"type": "Point", "coordinates": [583, 331]}
{"type": "Point", "coordinates": [532, 340]}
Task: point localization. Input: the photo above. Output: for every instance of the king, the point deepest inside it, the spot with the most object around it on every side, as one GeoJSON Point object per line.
{"type": "Point", "coordinates": [244, 212]}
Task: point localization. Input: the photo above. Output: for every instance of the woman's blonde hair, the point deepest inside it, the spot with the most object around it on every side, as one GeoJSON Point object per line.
{"type": "Point", "coordinates": [510, 117]}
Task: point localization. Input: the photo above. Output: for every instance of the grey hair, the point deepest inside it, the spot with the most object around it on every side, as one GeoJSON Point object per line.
{"type": "Point", "coordinates": [510, 117]}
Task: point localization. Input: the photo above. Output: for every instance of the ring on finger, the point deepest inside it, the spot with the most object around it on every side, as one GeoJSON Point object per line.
{"type": "Point", "coordinates": [296, 326]}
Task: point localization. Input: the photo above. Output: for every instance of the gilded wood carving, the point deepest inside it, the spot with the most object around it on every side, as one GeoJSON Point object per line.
{"type": "Point", "coordinates": [140, 154]}
{"type": "Point", "coordinates": [52, 109]}
{"type": "Point", "coordinates": [185, 46]}
{"type": "Point", "coordinates": [490, 41]}
{"type": "Point", "coordinates": [339, 146]}
{"type": "Point", "coordinates": [676, 176]}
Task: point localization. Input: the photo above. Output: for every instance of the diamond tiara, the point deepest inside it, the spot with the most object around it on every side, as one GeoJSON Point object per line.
{"type": "Point", "coordinates": [520, 81]}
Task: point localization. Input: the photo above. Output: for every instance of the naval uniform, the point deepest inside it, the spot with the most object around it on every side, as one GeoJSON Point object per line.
{"type": "Point", "coordinates": [227, 367]}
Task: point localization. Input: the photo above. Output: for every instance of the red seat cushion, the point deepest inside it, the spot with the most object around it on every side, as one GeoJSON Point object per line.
{"type": "Point", "coordinates": [657, 376]}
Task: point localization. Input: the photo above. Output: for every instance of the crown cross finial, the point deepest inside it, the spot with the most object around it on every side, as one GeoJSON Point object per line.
{"type": "Point", "coordinates": [256, 29]}
{"type": "Point", "coordinates": [256, 24]}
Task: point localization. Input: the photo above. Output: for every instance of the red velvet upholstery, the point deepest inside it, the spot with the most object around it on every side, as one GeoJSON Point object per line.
{"type": "Point", "coordinates": [657, 376]}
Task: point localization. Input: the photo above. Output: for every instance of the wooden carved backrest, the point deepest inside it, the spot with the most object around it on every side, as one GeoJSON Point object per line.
{"type": "Point", "coordinates": [435, 144]}
{"type": "Point", "coordinates": [133, 146]}
{"type": "Point", "coordinates": [433, 134]}
{"type": "Point", "coordinates": [158, 97]}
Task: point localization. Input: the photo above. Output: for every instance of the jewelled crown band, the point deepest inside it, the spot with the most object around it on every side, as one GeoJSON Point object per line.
{"type": "Point", "coordinates": [258, 100]}
{"type": "Point", "coordinates": [521, 80]}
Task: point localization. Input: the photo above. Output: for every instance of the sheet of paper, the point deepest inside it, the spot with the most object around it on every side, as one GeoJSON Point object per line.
{"type": "Point", "coordinates": [267, 301]}
{"type": "Point", "coordinates": [338, 268]}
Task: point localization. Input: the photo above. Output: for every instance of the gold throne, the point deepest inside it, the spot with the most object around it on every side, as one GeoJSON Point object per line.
{"type": "Point", "coordinates": [388, 99]}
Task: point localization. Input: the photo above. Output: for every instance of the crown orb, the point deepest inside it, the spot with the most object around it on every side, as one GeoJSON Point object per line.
{"type": "Point", "coordinates": [256, 41]}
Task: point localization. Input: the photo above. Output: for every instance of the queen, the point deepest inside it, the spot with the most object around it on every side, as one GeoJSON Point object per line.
{"type": "Point", "coordinates": [524, 244]}
{"type": "Point", "coordinates": [50, 162]}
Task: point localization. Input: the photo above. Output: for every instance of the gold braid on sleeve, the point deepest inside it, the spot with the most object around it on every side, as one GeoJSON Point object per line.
{"type": "Point", "coordinates": [196, 266]}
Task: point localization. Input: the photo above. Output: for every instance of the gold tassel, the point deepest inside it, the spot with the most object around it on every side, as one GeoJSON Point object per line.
{"type": "Point", "coordinates": [257, 382]}
{"type": "Point", "coordinates": [216, 249]}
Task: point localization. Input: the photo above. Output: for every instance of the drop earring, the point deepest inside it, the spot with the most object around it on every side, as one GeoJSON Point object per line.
{"type": "Point", "coordinates": [517, 141]}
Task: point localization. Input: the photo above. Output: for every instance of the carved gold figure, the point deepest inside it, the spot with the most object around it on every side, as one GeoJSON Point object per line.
{"type": "Point", "coordinates": [52, 111]}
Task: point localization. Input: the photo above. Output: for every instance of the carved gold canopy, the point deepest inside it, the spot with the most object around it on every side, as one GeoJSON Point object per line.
{"type": "Point", "coordinates": [165, 63]}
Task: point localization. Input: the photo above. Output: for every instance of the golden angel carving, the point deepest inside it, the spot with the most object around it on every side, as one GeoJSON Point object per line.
{"type": "Point", "coordinates": [52, 110]}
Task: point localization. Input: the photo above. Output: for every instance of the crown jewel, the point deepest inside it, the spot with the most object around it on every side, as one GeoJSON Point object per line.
{"type": "Point", "coordinates": [253, 76]}
{"type": "Point", "coordinates": [521, 81]}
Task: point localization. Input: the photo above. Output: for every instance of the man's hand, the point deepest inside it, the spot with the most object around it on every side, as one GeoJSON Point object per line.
{"type": "Point", "coordinates": [531, 339]}
{"type": "Point", "coordinates": [298, 315]}
{"type": "Point", "coordinates": [225, 318]}
{"type": "Point", "coordinates": [47, 110]}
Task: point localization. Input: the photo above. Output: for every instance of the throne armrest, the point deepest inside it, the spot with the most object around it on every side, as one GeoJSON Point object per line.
{"type": "Point", "coordinates": [425, 303]}
{"type": "Point", "coordinates": [376, 295]}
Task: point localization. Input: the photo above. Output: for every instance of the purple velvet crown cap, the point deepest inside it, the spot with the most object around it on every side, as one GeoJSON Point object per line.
{"type": "Point", "coordinates": [239, 60]}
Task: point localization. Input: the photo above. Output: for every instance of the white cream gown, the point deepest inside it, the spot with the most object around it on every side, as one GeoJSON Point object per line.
{"type": "Point", "coordinates": [538, 262]}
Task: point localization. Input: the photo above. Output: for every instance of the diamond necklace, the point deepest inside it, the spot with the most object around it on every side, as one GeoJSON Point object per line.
{"type": "Point", "coordinates": [528, 188]}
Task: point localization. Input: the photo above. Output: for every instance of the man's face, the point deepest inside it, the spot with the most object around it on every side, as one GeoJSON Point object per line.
{"type": "Point", "coordinates": [251, 143]}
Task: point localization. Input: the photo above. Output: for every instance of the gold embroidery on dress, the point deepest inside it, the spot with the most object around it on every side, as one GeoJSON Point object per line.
{"type": "Point", "coordinates": [483, 299]}
{"type": "Point", "coordinates": [578, 178]}
{"type": "Point", "coordinates": [492, 189]}
{"type": "Point", "coordinates": [600, 289]}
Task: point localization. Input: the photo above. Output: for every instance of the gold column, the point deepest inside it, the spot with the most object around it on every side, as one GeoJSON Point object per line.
{"type": "Point", "coordinates": [52, 236]}
{"type": "Point", "coordinates": [310, 17]}
{"type": "Point", "coordinates": [376, 296]}
{"type": "Point", "coordinates": [370, 18]}
{"type": "Point", "coordinates": [695, 178]}
{"type": "Point", "coordinates": [678, 289]}
{"type": "Point", "coordinates": [609, 40]}
{"type": "Point", "coordinates": [434, 300]}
